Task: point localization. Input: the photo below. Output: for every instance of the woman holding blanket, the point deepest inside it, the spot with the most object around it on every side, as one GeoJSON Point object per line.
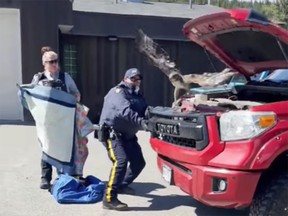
{"type": "Point", "coordinates": [53, 77]}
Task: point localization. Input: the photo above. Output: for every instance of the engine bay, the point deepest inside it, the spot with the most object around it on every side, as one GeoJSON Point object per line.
{"type": "Point", "coordinates": [237, 97]}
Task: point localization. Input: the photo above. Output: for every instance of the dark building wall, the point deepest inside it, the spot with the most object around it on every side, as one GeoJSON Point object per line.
{"type": "Point", "coordinates": [39, 23]}
{"type": "Point", "coordinates": [126, 26]}
{"type": "Point", "coordinates": [106, 49]}
{"type": "Point", "coordinates": [103, 62]}
{"type": "Point", "coordinates": [10, 3]}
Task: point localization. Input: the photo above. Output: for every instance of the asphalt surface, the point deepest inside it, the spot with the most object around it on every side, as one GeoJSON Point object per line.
{"type": "Point", "coordinates": [20, 177]}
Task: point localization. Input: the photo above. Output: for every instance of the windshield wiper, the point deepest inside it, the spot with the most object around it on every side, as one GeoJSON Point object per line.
{"type": "Point", "coordinates": [271, 81]}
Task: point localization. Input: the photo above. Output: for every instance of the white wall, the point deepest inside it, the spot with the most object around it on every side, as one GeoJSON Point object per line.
{"type": "Point", "coordinates": [10, 64]}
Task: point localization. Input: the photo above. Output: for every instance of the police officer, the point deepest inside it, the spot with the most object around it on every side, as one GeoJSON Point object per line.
{"type": "Point", "coordinates": [123, 112]}
{"type": "Point", "coordinates": [60, 80]}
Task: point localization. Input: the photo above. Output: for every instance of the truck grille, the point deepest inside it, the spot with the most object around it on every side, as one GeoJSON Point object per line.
{"type": "Point", "coordinates": [179, 141]}
{"type": "Point", "coordinates": [187, 130]}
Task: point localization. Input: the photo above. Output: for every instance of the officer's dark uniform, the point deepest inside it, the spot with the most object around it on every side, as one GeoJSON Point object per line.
{"type": "Point", "coordinates": [46, 168]}
{"type": "Point", "coordinates": [124, 112]}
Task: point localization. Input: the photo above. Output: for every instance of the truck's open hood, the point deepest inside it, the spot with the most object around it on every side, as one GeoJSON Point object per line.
{"type": "Point", "coordinates": [243, 39]}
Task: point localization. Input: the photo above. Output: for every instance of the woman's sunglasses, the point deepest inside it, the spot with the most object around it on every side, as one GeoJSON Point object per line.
{"type": "Point", "coordinates": [136, 79]}
{"type": "Point", "coordinates": [55, 61]}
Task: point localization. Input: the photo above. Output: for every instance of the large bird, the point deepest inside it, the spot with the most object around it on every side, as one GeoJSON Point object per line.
{"type": "Point", "coordinates": [182, 83]}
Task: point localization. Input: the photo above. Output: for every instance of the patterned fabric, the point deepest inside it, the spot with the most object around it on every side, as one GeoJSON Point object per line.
{"type": "Point", "coordinates": [83, 128]}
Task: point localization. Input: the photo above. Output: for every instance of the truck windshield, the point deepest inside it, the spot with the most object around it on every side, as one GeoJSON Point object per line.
{"type": "Point", "coordinates": [278, 75]}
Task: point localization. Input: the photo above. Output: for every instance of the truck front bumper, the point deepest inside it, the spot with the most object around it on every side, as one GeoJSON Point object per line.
{"type": "Point", "coordinates": [210, 185]}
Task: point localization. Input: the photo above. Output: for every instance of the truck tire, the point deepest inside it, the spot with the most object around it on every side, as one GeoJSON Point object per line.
{"type": "Point", "coordinates": [273, 201]}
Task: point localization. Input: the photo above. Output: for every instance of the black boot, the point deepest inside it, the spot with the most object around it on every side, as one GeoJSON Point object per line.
{"type": "Point", "coordinates": [46, 175]}
{"type": "Point", "coordinates": [45, 184]}
{"type": "Point", "coordinates": [115, 204]}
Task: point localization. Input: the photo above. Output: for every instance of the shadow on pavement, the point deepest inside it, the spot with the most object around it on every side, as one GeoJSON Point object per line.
{"type": "Point", "coordinates": [22, 123]}
{"type": "Point", "coordinates": [162, 203]}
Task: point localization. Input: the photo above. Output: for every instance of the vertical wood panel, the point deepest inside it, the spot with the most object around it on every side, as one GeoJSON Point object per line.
{"type": "Point", "coordinates": [102, 64]}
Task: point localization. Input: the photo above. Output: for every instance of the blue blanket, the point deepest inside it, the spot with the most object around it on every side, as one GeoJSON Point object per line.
{"type": "Point", "coordinates": [69, 190]}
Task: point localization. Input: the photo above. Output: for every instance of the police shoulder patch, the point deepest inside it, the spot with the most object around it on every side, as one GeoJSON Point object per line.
{"type": "Point", "coordinates": [118, 90]}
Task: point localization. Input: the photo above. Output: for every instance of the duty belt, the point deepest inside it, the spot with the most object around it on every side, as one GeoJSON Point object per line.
{"type": "Point", "coordinates": [113, 134]}
{"type": "Point", "coordinates": [104, 132]}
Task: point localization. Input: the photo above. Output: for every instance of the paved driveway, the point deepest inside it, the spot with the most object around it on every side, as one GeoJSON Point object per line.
{"type": "Point", "coordinates": [19, 183]}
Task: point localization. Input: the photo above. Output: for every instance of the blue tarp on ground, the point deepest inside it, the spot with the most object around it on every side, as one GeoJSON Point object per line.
{"type": "Point", "coordinates": [69, 190]}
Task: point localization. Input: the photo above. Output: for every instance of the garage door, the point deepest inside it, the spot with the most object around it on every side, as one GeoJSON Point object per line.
{"type": "Point", "coordinates": [10, 64]}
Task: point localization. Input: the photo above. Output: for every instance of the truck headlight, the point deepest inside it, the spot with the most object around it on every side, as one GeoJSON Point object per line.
{"type": "Point", "coordinates": [244, 124]}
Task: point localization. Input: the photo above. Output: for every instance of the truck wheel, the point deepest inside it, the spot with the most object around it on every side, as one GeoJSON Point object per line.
{"type": "Point", "coordinates": [273, 201]}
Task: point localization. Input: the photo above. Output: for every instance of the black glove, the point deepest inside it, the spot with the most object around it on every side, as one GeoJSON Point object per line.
{"type": "Point", "coordinates": [102, 133]}
{"type": "Point", "coordinates": [147, 112]}
{"type": "Point", "coordinates": [144, 125]}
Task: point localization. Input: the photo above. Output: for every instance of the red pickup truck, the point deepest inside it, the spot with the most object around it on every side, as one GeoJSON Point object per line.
{"type": "Point", "coordinates": [231, 156]}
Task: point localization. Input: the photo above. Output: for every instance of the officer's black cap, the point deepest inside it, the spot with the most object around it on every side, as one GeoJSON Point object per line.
{"type": "Point", "coordinates": [132, 72]}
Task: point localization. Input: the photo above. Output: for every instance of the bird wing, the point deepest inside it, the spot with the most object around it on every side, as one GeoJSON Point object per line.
{"type": "Point", "coordinates": [155, 54]}
{"type": "Point", "coordinates": [160, 59]}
